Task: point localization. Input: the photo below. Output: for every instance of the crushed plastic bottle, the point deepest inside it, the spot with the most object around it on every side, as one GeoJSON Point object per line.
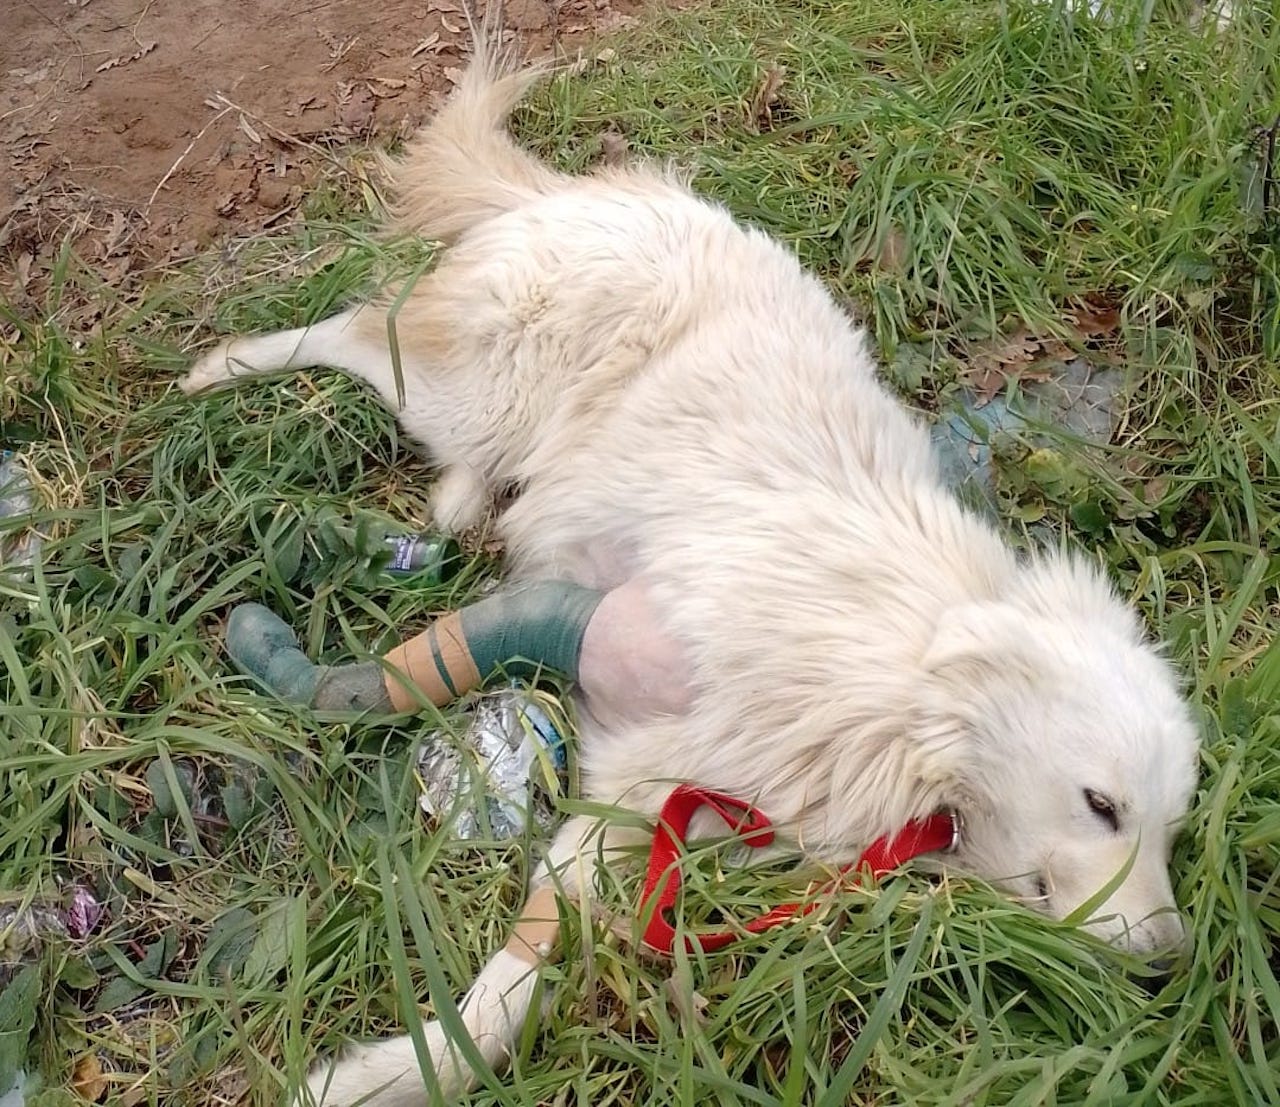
{"type": "Point", "coordinates": [1078, 400]}
{"type": "Point", "coordinates": [510, 745]}
{"type": "Point", "coordinates": [18, 548]}
{"type": "Point", "coordinates": [16, 1094]}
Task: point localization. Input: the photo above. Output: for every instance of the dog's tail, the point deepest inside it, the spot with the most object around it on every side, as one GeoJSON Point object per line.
{"type": "Point", "coordinates": [463, 168]}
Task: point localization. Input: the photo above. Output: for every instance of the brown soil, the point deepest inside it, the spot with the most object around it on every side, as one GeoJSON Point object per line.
{"type": "Point", "coordinates": [147, 129]}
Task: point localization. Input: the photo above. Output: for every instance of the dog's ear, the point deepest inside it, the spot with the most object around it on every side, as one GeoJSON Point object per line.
{"type": "Point", "coordinates": [978, 651]}
{"type": "Point", "coordinates": [977, 641]}
{"type": "Point", "coordinates": [985, 661]}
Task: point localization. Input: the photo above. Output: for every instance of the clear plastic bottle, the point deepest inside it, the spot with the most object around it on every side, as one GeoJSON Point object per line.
{"type": "Point", "coordinates": [18, 548]}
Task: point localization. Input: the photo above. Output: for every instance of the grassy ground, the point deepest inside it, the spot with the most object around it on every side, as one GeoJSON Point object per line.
{"type": "Point", "coordinates": [956, 170]}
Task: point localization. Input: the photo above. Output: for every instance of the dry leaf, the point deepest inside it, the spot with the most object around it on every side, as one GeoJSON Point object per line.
{"type": "Point", "coordinates": [131, 1097]}
{"type": "Point", "coordinates": [1155, 490]}
{"type": "Point", "coordinates": [116, 235]}
{"type": "Point", "coordinates": [762, 103]}
{"type": "Point", "coordinates": [1051, 349]}
{"type": "Point", "coordinates": [437, 47]}
{"type": "Point", "coordinates": [383, 87]}
{"type": "Point", "coordinates": [690, 1003]}
{"type": "Point", "coordinates": [337, 47]}
{"type": "Point", "coordinates": [452, 28]}
{"type": "Point", "coordinates": [892, 253]}
{"type": "Point", "coordinates": [425, 44]}
{"type": "Point", "coordinates": [31, 76]}
{"type": "Point", "coordinates": [337, 50]}
{"type": "Point", "coordinates": [22, 268]}
{"type": "Point", "coordinates": [1094, 321]}
{"type": "Point", "coordinates": [356, 105]}
{"type": "Point", "coordinates": [112, 63]}
{"type": "Point", "coordinates": [247, 127]}
{"type": "Point", "coordinates": [613, 148]}
{"type": "Point", "coordinates": [88, 1080]}
{"type": "Point", "coordinates": [994, 363]}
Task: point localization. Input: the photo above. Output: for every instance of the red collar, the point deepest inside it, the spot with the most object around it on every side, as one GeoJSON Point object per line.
{"type": "Point", "coordinates": [662, 883]}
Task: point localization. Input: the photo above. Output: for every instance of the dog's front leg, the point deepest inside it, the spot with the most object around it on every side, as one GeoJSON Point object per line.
{"type": "Point", "coordinates": [387, 1073]}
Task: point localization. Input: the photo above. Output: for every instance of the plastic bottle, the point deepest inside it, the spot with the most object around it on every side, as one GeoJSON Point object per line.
{"type": "Point", "coordinates": [379, 544]}
{"type": "Point", "coordinates": [18, 549]}
{"type": "Point", "coordinates": [433, 556]}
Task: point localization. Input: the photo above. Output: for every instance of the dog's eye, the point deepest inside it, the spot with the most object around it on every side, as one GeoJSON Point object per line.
{"type": "Point", "coordinates": [1101, 806]}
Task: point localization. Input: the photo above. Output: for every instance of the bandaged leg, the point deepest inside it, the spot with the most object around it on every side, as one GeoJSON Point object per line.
{"type": "Point", "coordinates": [264, 646]}
{"type": "Point", "coordinates": [519, 632]}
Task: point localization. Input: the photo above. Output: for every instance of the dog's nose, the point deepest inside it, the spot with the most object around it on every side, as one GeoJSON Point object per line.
{"type": "Point", "coordinates": [1166, 944]}
{"type": "Point", "coordinates": [1158, 972]}
{"type": "Point", "coordinates": [1164, 936]}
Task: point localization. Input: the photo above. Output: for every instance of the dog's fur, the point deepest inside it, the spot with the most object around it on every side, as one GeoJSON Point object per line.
{"type": "Point", "coordinates": [679, 403]}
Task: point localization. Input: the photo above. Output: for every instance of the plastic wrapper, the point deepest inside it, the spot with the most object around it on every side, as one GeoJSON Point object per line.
{"type": "Point", "coordinates": [25, 929]}
{"type": "Point", "coordinates": [508, 761]}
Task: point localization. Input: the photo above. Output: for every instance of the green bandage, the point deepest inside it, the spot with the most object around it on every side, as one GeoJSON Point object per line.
{"type": "Point", "coordinates": [265, 647]}
{"type": "Point", "coordinates": [531, 627]}
{"type": "Point", "coordinates": [519, 632]}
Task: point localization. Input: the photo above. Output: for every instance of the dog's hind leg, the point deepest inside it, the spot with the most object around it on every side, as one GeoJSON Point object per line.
{"type": "Point", "coordinates": [337, 342]}
{"type": "Point", "coordinates": [387, 1073]}
{"type": "Point", "coordinates": [354, 342]}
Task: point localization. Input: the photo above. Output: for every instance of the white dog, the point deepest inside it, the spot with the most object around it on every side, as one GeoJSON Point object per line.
{"type": "Point", "coordinates": [683, 408]}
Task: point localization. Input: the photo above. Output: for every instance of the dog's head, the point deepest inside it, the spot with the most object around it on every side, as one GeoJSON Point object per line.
{"type": "Point", "coordinates": [1071, 750]}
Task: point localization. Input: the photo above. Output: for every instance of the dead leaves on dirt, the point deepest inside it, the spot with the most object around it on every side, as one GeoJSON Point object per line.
{"type": "Point", "coordinates": [990, 366]}
{"type": "Point", "coordinates": [143, 50]}
{"type": "Point", "coordinates": [356, 105]}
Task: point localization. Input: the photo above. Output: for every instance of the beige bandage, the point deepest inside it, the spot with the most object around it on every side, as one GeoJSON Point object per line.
{"type": "Point", "coordinates": [439, 652]}
{"type": "Point", "coordinates": [537, 932]}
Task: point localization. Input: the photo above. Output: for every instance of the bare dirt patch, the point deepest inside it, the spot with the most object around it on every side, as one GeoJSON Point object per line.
{"type": "Point", "coordinates": [144, 130]}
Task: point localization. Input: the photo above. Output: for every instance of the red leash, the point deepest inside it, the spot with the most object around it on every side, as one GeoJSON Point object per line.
{"type": "Point", "coordinates": [662, 882]}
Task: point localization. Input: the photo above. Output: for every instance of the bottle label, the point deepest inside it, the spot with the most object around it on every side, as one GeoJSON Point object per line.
{"type": "Point", "coordinates": [402, 553]}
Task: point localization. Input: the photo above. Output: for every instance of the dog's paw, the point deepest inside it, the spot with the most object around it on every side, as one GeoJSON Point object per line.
{"type": "Point", "coordinates": [385, 1074]}
{"type": "Point", "coordinates": [459, 499]}
{"type": "Point", "coordinates": [357, 1075]}
{"type": "Point", "coordinates": [211, 368]}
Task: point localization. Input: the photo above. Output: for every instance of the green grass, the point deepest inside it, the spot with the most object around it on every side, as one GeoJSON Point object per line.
{"type": "Point", "coordinates": [267, 876]}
